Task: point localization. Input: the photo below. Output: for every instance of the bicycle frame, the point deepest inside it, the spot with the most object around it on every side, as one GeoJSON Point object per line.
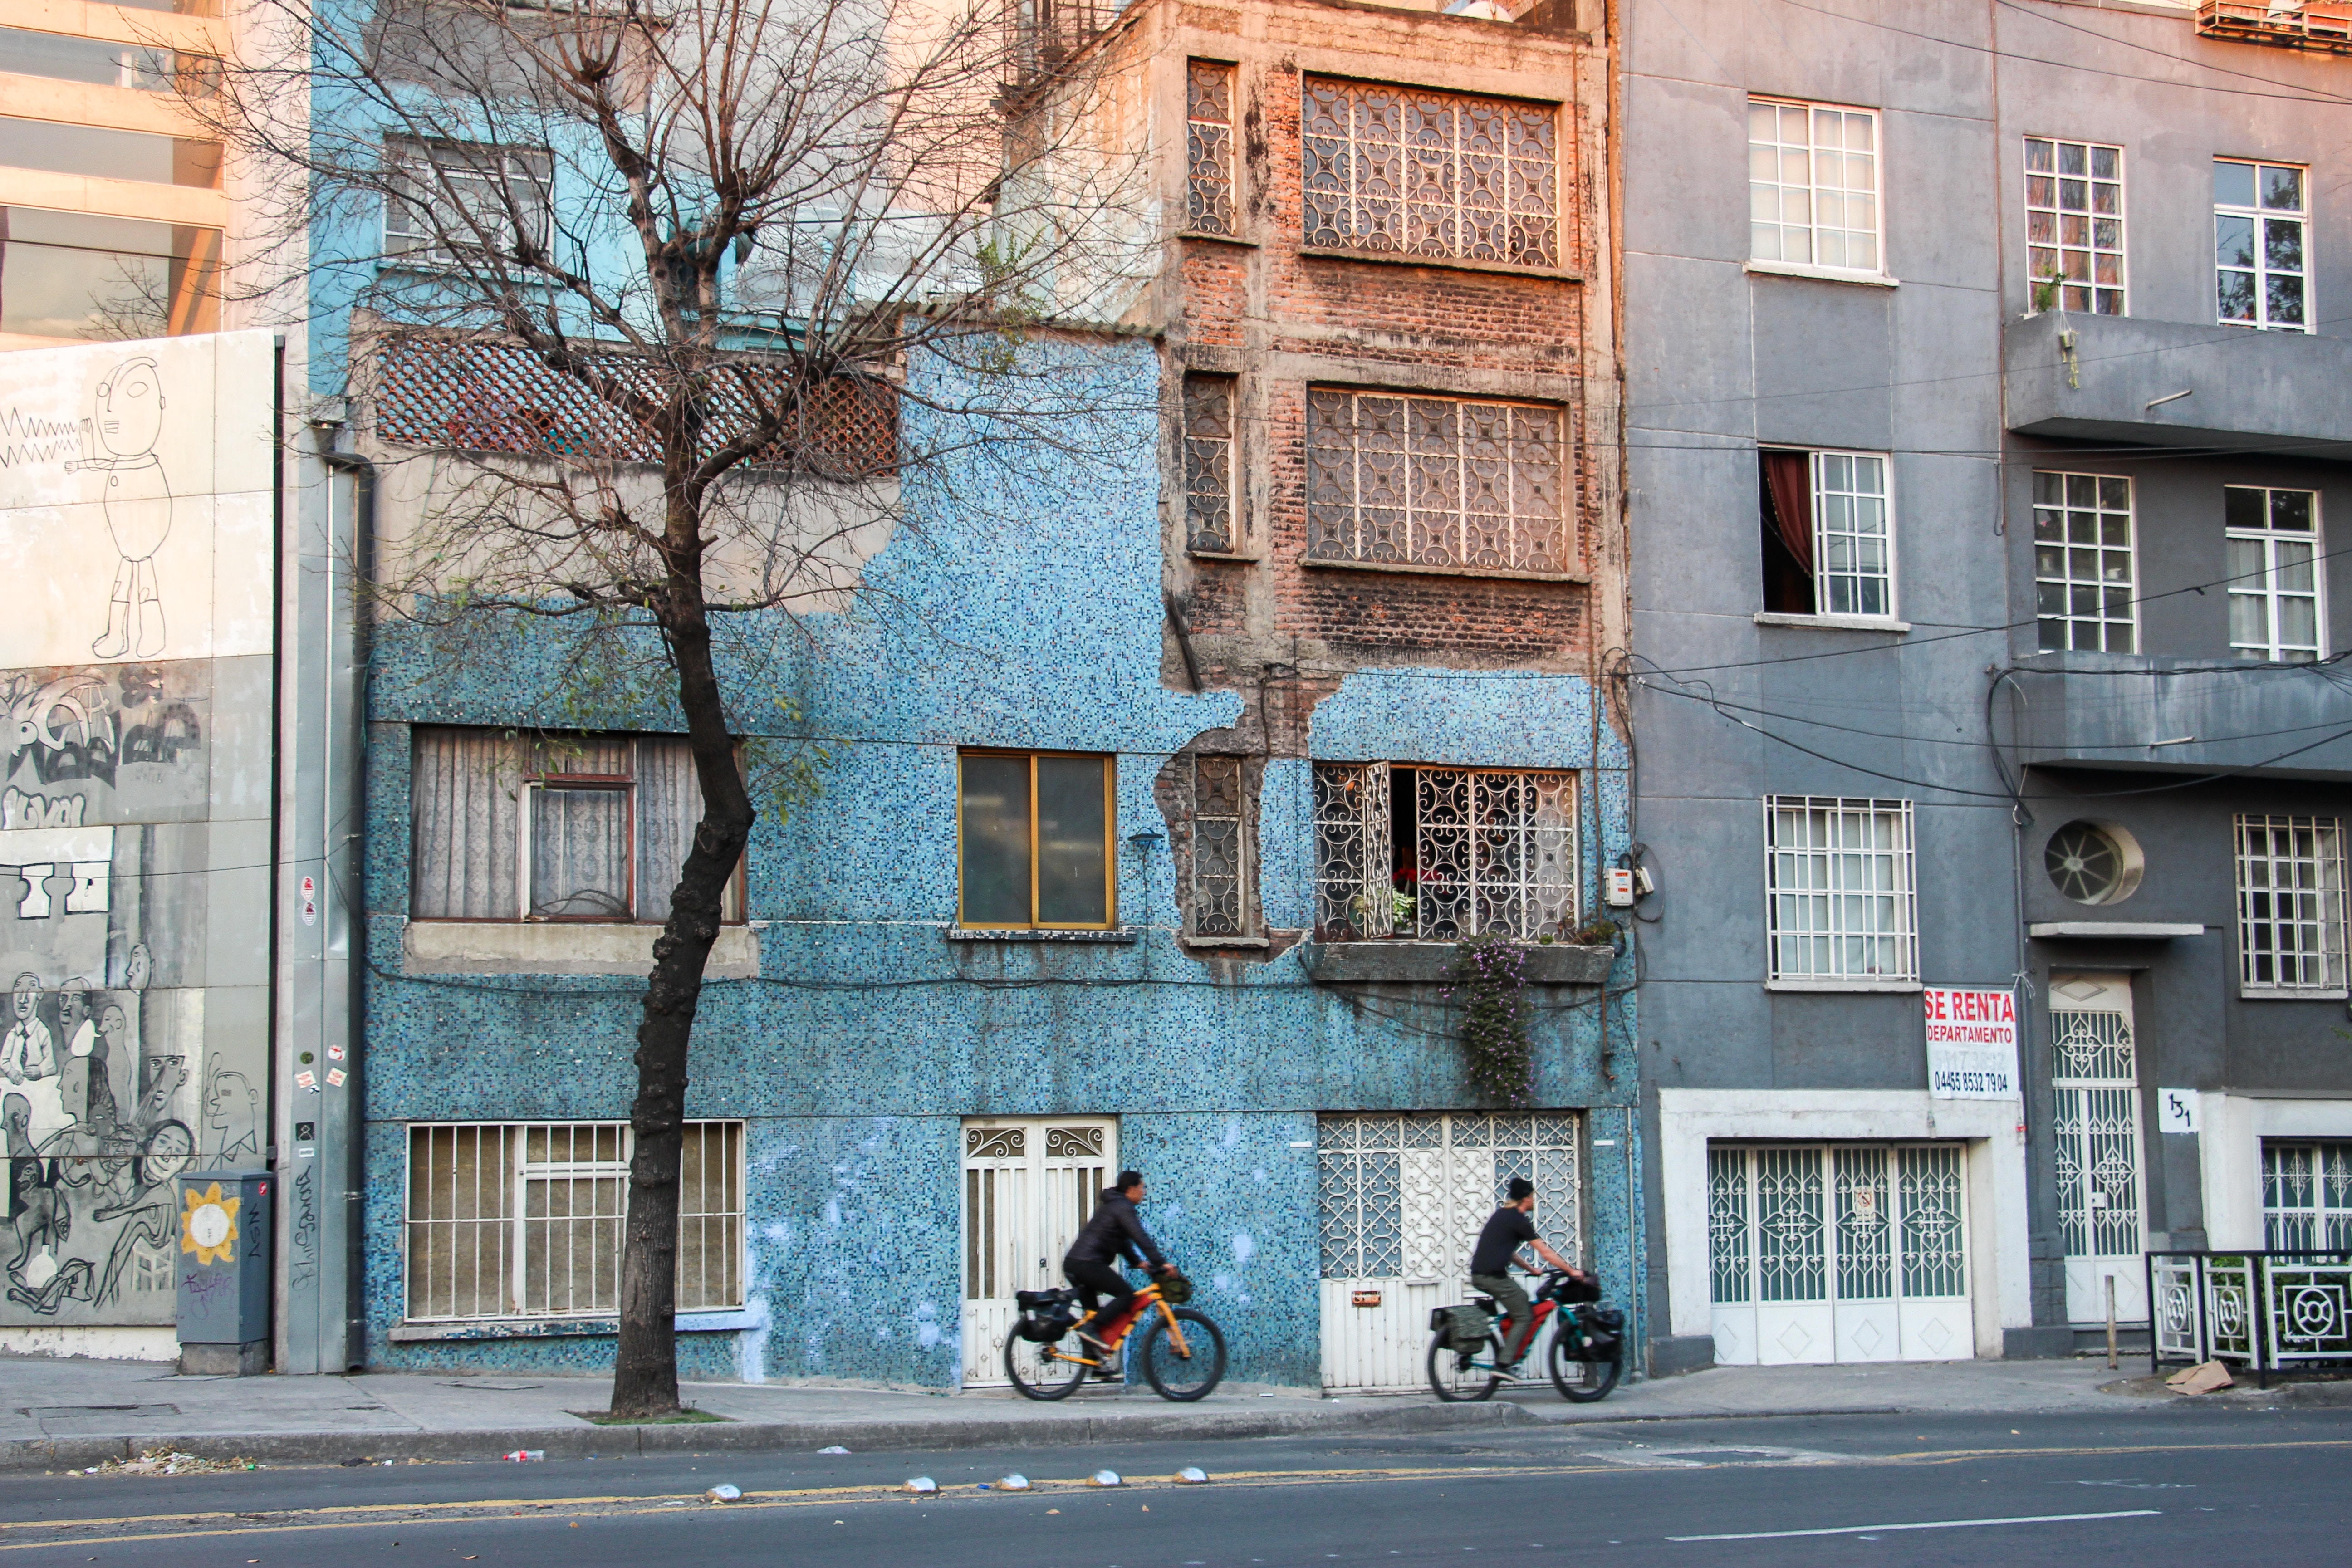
{"type": "Point", "coordinates": [1145, 1300]}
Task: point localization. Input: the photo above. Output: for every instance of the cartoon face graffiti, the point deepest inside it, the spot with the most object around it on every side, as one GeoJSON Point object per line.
{"type": "Point", "coordinates": [130, 408]}
{"type": "Point", "coordinates": [137, 499]}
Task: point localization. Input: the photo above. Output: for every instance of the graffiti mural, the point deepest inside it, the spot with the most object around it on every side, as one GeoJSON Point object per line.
{"type": "Point", "coordinates": [143, 519]}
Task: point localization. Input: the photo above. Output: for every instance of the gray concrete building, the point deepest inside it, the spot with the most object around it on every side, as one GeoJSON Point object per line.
{"type": "Point", "coordinates": [1987, 416]}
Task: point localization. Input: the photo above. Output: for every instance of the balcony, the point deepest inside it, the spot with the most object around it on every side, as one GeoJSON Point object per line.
{"type": "Point", "coordinates": [2171, 383]}
{"type": "Point", "coordinates": [2314, 27]}
{"type": "Point", "coordinates": [2179, 715]}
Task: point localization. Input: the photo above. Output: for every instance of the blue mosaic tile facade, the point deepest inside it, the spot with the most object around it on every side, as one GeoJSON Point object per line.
{"type": "Point", "coordinates": [869, 1033]}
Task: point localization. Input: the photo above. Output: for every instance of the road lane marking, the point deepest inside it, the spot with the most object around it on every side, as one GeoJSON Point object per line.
{"type": "Point", "coordinates": [1928, 1524]}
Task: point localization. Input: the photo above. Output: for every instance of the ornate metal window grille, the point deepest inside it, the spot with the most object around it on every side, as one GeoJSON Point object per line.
{"type": "Point", "coordinates": [2291, 905]}
{"type": "Point", "coordinates": [523, 1220]}
{"type": "Point", "coordinates": [2308, 1196]}
{"type": "Point", "coordinates": [2096, 1096]}
{"type": "Point", "coordinates": [1791, 1251]}
{"type": "Point", "coordinates": [1935, 1260]}
{"type": "Point", "coordinates": [1865, 1225]}
{"type": "Point", "coordinates": [1209, 148]}
{"type": "Point", "coordinates": [1399, 170]}
{"type": "Point", "coordinates": [1435, 482]}
{"type": "Point", "coordinates": [1220, 903]}
{"type": "Point", "coordinates": [1491, 850]}
{"type": "Point", "coordinates": [1404, 1196]}
{"type": "Point", "coordinates": [2074, 225]}
{"type": "Point", "coordinates": [2082, 561]}
{"type": "Point", "coordinates": [1072, 1142]}
{"type": "Point", "coordinates": [1209, 520]}
{"type": "Point", "coordinates": [1841, 897]}
{"type": "Point", "coordinates": [1845, 1223]}
{"type": "Point", "coordinates": [995, 1142]}
{"type": "Point", "coordinates": [1354, 868]}
{"type": "Point", "coordinates": [1728, 1226]}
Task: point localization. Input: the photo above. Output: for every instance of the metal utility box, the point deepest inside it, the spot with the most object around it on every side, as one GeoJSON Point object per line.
{"type": "Point", "coordinates": [224, 1271]}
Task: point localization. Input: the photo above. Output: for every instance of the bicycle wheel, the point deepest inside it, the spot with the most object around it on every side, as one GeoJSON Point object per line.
{"type": "Point", "coordinates": [1044, 1372]}
{"type": "Point", "coordinates": [1187, 1374]}
{"type": "Point", "coordinates": [1459, 1379]}
{"type": "Point", "coordinates": [1582, 1381]}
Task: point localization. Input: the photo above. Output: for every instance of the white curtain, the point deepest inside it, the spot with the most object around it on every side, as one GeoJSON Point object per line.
{"type": "Point", "coordinates": [466, 797]}
{"type": "Point", "coordinates": [580, 853]}
{"type": "Point", "coordinates": [669, 805]}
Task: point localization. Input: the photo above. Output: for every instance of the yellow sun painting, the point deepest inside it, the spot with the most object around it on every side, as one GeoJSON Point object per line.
{"type": "Point", "coordinates": [208, 1228]}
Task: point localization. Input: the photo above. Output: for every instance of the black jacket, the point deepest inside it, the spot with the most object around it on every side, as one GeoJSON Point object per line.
{"type": "Point", "coordinates": [1113, 1232]}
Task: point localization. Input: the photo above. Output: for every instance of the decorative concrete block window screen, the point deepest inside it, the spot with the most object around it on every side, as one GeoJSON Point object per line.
{"type": "Point", "coordinates": [1438, 483]}
{"type": "Point", "coordinates": [1841, 900]}
{"type": "Point", "coordinates": [453, 200]}
{"type": "Point", "coordinates": [1828, 533]}
{"type": "Point", "coordinates": [2083, 577]}
{"type": "Point", "coordinates": [1209, 148]}
{"type": "Point", "coordinates": [2074, 225]}
{"type": "Point", "coordinates": [2274, 584]}
{"type": "Point", "coordinates": [1033, 832]}
{"type": "Point", "coordinates": [1210, 521]}
{"type": "Point", "coordinates": [2291, 905]}
{"type": "Point", "coordinates": [523, 1220]}
{"type": "Point", "coordinates": [2259, 217]}
{"type": "Point", "coordinates": [1220, 904]}
{"type": "Point", "coordinates": [1440, 853]}
{"type": "Point", "coordinates": [1812, 184]}
{"type": "Point", "coordinates": [1404, 172]}
{"type": "Point", "coordinates": [2308, 1196]}
{"type": "Point", "coordinates": [580, 827]}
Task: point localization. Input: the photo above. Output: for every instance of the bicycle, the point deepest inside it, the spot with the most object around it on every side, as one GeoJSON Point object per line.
{"type": "Point", "coordinates": [1586, 1356]}
{"type": "Point", "coordinates": [1183, 1352]}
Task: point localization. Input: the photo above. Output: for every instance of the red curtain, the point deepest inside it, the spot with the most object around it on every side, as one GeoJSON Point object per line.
{"type": "Point", "coordinates": [1787, 477]}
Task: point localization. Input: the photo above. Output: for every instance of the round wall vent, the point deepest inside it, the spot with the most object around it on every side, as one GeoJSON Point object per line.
{"type": "Point", "coordinates": [2094, 862]}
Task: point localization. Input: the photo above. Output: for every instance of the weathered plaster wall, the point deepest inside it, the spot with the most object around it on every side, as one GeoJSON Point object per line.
{"type": "Point", "coordinates": [868, 1033]}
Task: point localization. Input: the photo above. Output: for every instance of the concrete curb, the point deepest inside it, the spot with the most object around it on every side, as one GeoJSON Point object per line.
{"type": "Point", "coordinates": [585, 1441]}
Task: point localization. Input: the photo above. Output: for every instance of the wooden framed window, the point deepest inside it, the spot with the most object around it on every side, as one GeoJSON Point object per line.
{"type": "Point", "coordinates": [1034, 840]}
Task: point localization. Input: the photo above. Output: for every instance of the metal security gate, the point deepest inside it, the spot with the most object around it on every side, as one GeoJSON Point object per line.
{"type": "Point", "coordinates": [1403, 1198]}
{"type": "Point", "coordinates": [2094, 1097]}
{"type": "Point", "coordinates": [1838, 1253]}
{"type": "Point", "coordinates": [1029, 1185]}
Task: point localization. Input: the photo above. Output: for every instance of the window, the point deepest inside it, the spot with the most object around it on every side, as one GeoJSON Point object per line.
{"type": "Point", "coordinates": [2074, 225]}
{"type": "Point", "coordinates": [454, 199]}
{"type": "Point", "coordinates": [2083, 563]}
{"type": "Point", "coordinates": [2291, 905]}
{"type": "Point", "coordinates": [105, 62]}
{"type": "Point", "coordinates": [77, 275]}
{"type": "Point", "coordinates": [113, 155]}
{"type": "Point", "coordinates": [1035, 831]}
{"type": "Point", "coordinates": [1440, 853]}
{"type": "Point", "coordinates": [1221, 847]}
{"type": "Point", "coordinates": [2258, 232]}
{"type": "Point", "coordinates": [1827, 534]}
{"type": "Point", "coordinates": [2308, 1196]}
{"type": "Point", "coordinates": [1842, 906]}
{"type": "Point", "coordinates": [2273, 571]}
{"type": "Point", "coordinates": [1435, 482]}
{"type": "Point", "coordinates": [523, 1220]}
{"type": "Point", "coordinates": [1401, 172]}
{"type": "Point", "coordinates": [1209, 464]}
{"type": "Point", "coordinates": [1209, 148]}
{"type": "Point", "coordinates": [586, 827]}
{"type": "Point", "coordinates": [1812, 184]}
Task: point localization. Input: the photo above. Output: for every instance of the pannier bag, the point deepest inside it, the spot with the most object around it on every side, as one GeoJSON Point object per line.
{"type": "Point", "coordinates": [1174, 1288]}
{"type": "Point", "coordinates": [1465, 1328]}
{"type": "Point", "coordinates": [1045, 1315]}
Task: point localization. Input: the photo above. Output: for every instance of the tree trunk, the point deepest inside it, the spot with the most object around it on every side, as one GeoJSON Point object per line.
{"type": "Point", "coordinates": [644, 1374]}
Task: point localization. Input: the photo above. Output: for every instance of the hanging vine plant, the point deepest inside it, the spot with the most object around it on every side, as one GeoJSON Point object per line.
{"type": "Point", "coordinates": [1487, 975]}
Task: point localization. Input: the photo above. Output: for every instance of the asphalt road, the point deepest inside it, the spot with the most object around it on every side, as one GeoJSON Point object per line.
{"type": "Point", "coordinates": [2144, 1486]}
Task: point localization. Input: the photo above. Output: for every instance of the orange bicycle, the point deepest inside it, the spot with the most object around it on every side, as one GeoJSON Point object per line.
{"type": "Point", "coordinates": [1183, 1353]}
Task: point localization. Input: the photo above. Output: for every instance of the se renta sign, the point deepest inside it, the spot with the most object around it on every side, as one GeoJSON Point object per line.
{"type": "Point", "coordinates": [1971, 1042]}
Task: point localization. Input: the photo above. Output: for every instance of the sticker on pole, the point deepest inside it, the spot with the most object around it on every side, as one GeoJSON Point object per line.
{"type": "Point", "coordinates": [1971, 1042]}
{"type": "Point", "coordinates": [310, 900]}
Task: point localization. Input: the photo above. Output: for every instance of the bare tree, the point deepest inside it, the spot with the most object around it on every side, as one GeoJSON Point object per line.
{"type": "Point", "coordinates": [694, 292]}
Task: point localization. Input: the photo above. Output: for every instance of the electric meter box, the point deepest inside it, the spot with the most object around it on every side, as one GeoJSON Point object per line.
{"type": "Point", "coordinates": [222, 1256]}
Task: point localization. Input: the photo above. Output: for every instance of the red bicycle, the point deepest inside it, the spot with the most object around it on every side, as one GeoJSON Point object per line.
{"type": "Point", "coordinates": [1586, 1355]}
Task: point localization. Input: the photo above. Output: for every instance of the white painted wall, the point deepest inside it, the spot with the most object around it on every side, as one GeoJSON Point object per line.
{"type": "Point", "coordinates": [2230, 1151]}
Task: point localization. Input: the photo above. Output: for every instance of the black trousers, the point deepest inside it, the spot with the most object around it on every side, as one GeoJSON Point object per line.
{"type": "Point", "coordinates": [1099, 1282]}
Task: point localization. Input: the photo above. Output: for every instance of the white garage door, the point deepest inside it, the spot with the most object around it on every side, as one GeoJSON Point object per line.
{"type": "Point", "coordinates": [1403, 1198]}
{"type": "Point", "coordinates": [1838, 1252]}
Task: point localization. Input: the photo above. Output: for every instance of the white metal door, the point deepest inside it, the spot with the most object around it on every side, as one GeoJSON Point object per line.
{"type": "Point", "coordinates": [1838, 1253]}
{"type": "Point", "coordinates": [2094, 1095]}
{"type": "Point", "coordinates": [1029, 1185]}
{"type": "Point", "coordinates": [1402, 1200]}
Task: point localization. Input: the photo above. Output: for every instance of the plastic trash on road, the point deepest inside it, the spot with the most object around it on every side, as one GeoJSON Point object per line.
{"type": "Point", "coordinates": [1192, 1476]}
{"type": "Point", "coordinates": [723, 1492]}
{"type": "Point", "coordinates": [1104, 1478]}
{"type": "Point", "coordinates": [528, 1456]}
{"type": "Point", "coordinates": [922, 1486]}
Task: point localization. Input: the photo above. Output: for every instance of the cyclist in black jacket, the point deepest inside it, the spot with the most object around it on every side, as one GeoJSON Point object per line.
{"type": "Point", "coordinates": [1091, 1263]}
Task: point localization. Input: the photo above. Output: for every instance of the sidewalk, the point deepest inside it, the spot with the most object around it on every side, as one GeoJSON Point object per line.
{"type": "Point", "coordinates": [56, 1414]}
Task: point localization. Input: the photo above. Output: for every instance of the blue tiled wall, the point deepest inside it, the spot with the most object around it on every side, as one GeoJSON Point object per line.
{"type": "Point", "coordinates": [1018, 604]}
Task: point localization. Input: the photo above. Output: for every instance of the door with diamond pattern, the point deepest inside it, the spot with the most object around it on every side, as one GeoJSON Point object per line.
{"type": "Point", "coordinates": [2094, 1126]}
{"type": "Point", "coordinates": [1838, 1253]}
{"type": "Point", "coordinates": [1029, 1185]}
{"type": "Point", "coordinates": [1402, 1199]}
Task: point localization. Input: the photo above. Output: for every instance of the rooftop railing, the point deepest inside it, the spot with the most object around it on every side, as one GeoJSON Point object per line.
{"type": "Point", "coordinates": [2320, 25]}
